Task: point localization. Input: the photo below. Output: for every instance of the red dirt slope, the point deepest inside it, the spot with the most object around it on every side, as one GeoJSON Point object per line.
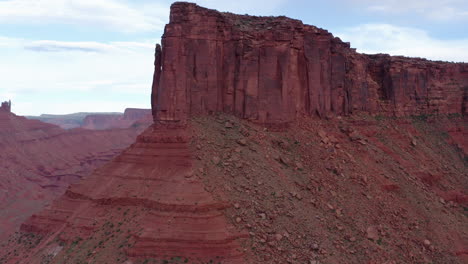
{"type": "Point", "coordinates": [347, 190]}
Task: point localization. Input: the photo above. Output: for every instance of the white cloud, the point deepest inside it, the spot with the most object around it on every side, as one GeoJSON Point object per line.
{"type": "Point", "coordinates": [120, 69]}
{"type": "Point", "coordinates": [439, 10]}
{"type": "Point", "coordinates": [9, 42]}
{"type": "Point", "coordinates": [258, 7]}
{"type": "Point", "coordinates": [116, 15]}
{"type": "Point", "coordinates": [85, 46]}
{"type": "Point", "coordinates": [112, 14]}
{"type": "Point", "coordinates": [58, 46]}
{"type": "Point", "coordinates": [384, 38]}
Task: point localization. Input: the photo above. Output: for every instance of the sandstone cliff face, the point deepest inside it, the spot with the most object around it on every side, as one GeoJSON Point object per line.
{"type": "Point", "coordinates": [272, 69]}
{"type": "Point", "coordinates": [414, 86]}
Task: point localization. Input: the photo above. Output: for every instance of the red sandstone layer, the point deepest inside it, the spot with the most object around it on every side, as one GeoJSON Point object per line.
{"type": "Point", "coordinates": [154, 175]}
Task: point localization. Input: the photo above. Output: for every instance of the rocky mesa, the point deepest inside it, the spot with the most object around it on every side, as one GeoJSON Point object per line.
{"type": "Point", "coordinates": [272, 142]}
{"type": "Point", "coordinates": [272, 69]}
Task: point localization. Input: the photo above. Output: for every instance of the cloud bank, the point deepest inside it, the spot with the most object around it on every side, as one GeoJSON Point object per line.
{"type": "Point", "coordinates": [63, 72]}
{"type": "Point", "coordinates": [443, 10]}
{"type": "Point", "coordinates": [111, 14]}
{"type": "Point", "coordinates": [394, 40]}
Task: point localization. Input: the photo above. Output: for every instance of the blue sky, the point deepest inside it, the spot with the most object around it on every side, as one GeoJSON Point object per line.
{"type": "Point", "coordinates": [64, 56]}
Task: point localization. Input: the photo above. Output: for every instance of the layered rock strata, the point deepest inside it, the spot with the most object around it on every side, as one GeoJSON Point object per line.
{"type": "Point", "coordinates": [154, 175]}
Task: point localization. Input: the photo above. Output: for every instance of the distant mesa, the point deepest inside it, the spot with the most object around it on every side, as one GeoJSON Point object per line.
{"type": "Point", "coordinates": [129, 117]}
{"type": "Point", "coordinates": [98, 121]}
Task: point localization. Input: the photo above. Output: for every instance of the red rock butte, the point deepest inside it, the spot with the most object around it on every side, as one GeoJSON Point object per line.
{"type": "Point", "coordinates": [272, 69]}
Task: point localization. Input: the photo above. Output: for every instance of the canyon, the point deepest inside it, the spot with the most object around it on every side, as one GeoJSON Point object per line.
{"type": "Point", "coordinates": [40, 160]}
{"type": "Point", "coordinates": [273, 142]}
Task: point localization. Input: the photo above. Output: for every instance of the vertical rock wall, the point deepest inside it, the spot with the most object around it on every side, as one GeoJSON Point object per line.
{"type": "Point", "coordinates": [271, 69]}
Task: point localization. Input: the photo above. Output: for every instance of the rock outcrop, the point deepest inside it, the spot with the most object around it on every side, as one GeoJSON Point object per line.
{"type": "Point", "coordinates": [272, 69]}
{"type": "Point", "coordinates": [6, 107]}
